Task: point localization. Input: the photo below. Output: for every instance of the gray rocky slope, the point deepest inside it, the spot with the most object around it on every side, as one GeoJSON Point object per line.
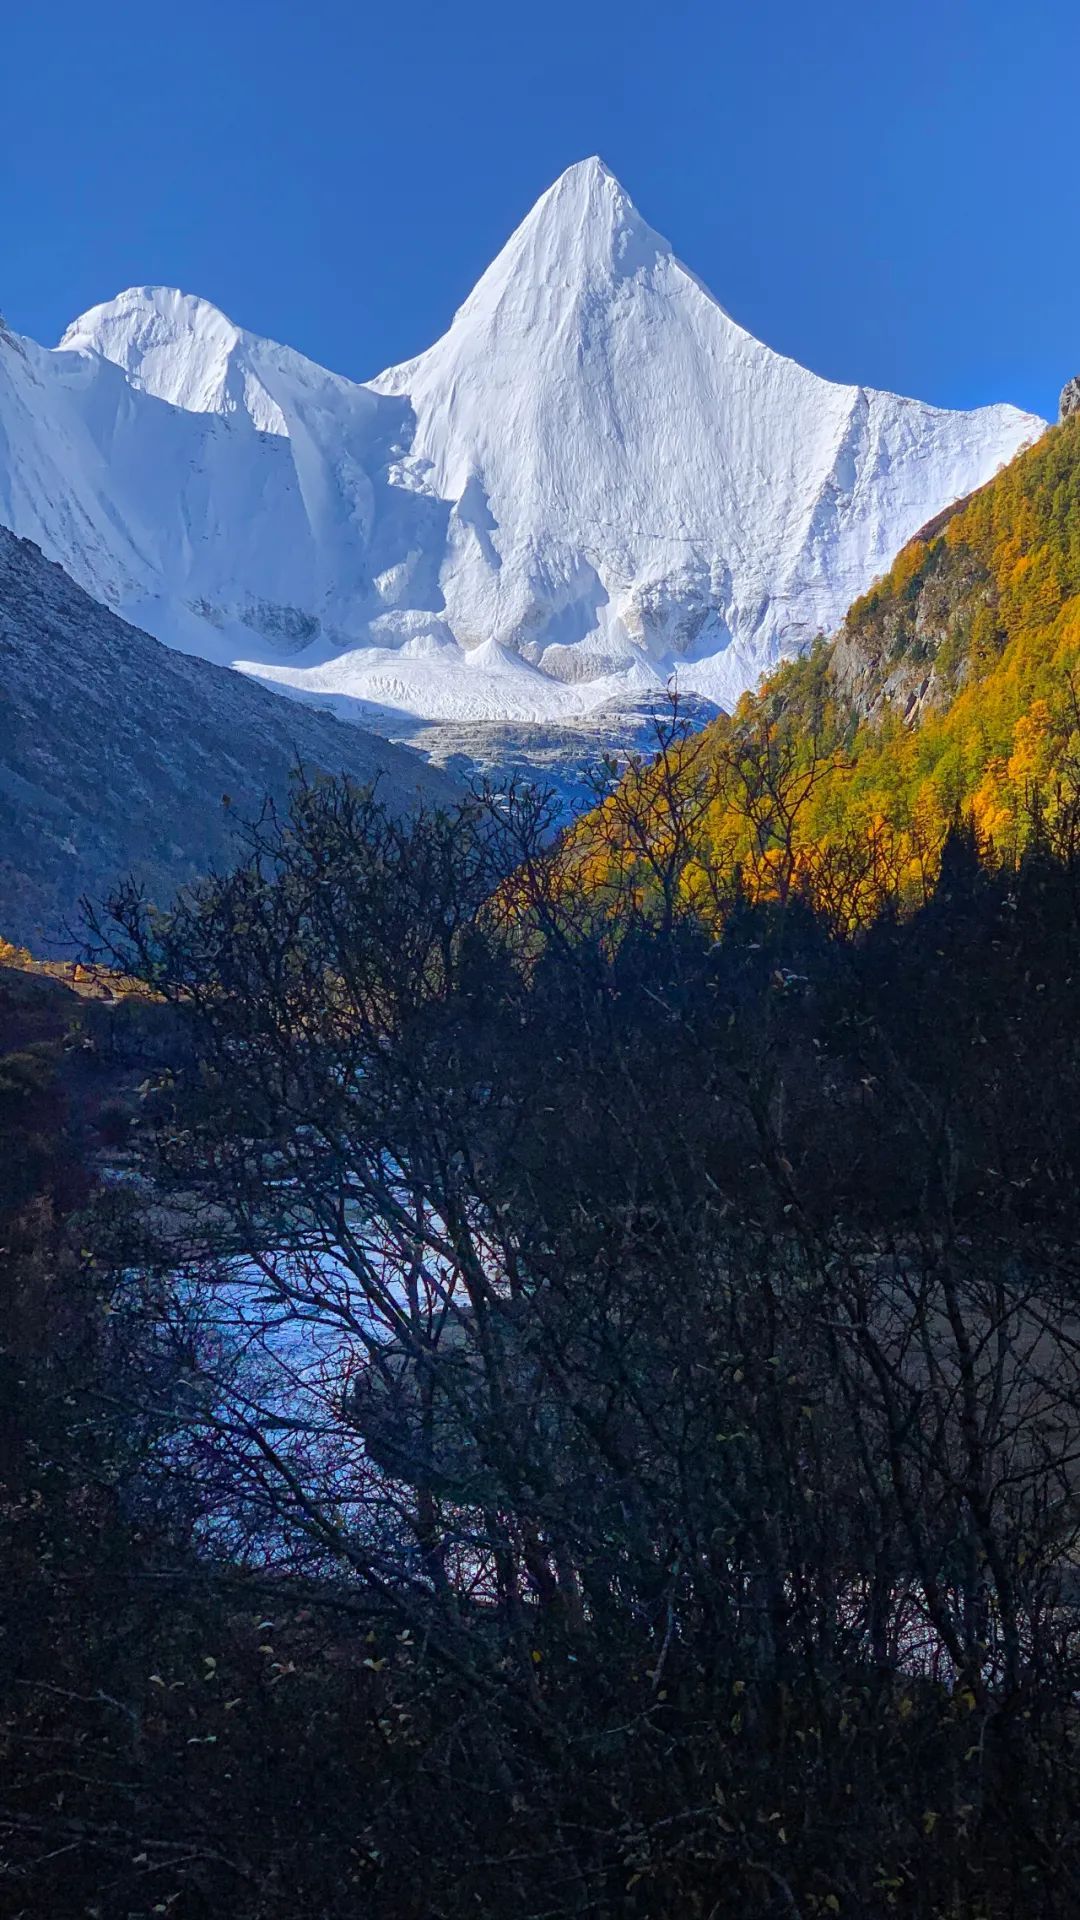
{"type": "Point", "coordinates": [117, 754]}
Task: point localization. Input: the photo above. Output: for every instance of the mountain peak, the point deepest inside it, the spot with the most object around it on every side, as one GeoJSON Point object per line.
{"type": "Point", "coordinates": [582, 172]}
{"type": "Point", "coordinates": [180, 348]}
{"type": "Point", "coordinates": [583, 183]}
{"type": "Point", "coordinates": [591, 165]}
{"type": "Point", "coordinates": [149, 316]}
{"type": "Point", "coordinates": [583, 231]}
{"type": "Point", "coordinates": [587, 217]}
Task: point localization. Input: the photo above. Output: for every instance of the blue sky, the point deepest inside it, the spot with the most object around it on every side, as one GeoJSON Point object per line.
{"type": "Point", "coordinates": [888, 193]}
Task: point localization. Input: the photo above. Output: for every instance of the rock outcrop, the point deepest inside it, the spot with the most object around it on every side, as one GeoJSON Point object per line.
{"type": "Point", "coordinates": [1070, 398]}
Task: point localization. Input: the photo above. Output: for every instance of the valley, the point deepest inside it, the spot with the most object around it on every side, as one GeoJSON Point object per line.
{"type": "Point", "coordinates": [539, 1061]}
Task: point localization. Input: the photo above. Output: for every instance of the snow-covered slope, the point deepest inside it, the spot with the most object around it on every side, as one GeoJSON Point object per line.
{"type": "Point", "coordinates": [595, 477]}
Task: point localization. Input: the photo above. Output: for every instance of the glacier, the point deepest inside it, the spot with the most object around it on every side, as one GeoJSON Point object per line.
{"type": "Point", "coordinates": [594, 482]}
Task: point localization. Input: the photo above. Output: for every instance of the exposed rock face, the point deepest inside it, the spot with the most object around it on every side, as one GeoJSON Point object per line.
{"type": "Point", "coordinates": [1070, 398]}
{"type": "Point", "coordinates": [886, 653]}
{"type": "Point", "coordinates": [116, 754]}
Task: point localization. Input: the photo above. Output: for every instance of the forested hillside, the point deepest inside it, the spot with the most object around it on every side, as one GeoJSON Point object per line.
{"type": "Point", "coordinates": [951, 690]}
{"type": "Point", "coordinates": [971, 643]}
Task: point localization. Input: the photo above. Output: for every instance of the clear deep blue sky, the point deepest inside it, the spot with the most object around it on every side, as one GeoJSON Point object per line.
{"type": "Point", "coordinates": [887, 192]}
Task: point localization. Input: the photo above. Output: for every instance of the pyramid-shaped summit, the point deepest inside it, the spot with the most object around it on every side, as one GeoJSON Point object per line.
{"type": "Point", "coordinates": [595, 478]}
{"type": "Point", "coordinates": [659, 491]}
{"type": "Point", "coordinates": [584, 225]}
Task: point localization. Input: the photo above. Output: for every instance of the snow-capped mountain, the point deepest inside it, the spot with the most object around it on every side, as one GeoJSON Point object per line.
{"type": "Point", "coordinates": [594, 479]}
